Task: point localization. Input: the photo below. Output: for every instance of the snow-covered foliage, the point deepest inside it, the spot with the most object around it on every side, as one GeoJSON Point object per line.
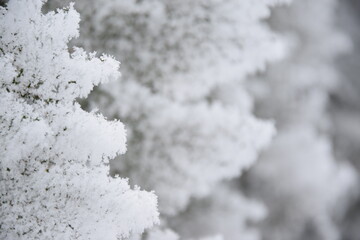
{"type": "Point", "coordinates": [193, 74]}
{"type": "Point", "coordinates": [54, 181]}
{"type": "Point", "coordinates": [298, 176]}
{"type": "Point", "coordinates": [185, 63]}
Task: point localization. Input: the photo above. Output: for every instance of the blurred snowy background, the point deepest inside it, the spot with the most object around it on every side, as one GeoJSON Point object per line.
{"type": "Point", "coordinates": [345, 107]}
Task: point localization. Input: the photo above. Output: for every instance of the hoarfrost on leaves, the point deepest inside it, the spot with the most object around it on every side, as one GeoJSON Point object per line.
{"type": "Point", "coordinates": [194, 72]}
{"type": "Point", "coordinates": [54, 178]}
{"type": "Point", "coordinates": [182, 95]}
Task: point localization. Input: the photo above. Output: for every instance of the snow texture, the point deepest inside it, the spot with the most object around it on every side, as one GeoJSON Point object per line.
{"type": "Point", "coordinates": [54, 174]}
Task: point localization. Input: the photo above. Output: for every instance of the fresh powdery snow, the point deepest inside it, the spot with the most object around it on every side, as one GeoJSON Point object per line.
{"type": "Point", "coordinates": [54, 174]}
